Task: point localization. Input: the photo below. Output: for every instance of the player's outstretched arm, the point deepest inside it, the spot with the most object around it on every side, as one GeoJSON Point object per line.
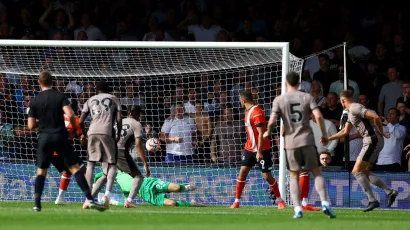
{"type": "Point", "coordinates": [141, 153]}
{"type": "Point", "coordinates": [259, 155]}
{"type": "Point", "coordinates": [321, 122]}
{"type": "Point", "coordinates": [32, 123]}
{"type": "Point", "coordinates": [342, 133]}
{"type": "Point", "coordinates": [83, 116]}
{"type": "Point", "coordinates": [272, 122]}
{"type": "Point", "coordinates": [173, 187]}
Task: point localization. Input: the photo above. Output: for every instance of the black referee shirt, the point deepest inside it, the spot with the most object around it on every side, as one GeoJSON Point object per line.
{"type": "Point", "coordinates": [47, 107]}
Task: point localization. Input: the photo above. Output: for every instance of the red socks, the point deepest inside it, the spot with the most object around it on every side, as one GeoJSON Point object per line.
{"type": "Point", "coordinates": [304, 183]}
{"type": "Point", "coordinates": [274, 187]}
{"type": "Point", "coordinates": [240, 184]}
{"type": "Point", "coordinates": [65, 181]}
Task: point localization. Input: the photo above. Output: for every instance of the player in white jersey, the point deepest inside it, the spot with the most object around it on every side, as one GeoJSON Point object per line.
{"type": "Point", "coordinates": [370, 127]}
{"type": "Point", "coordinates": [131, 132]}
{"type": "Point", "coordinates": [295, 108]}
{"type": "Point", "coordinates": [104, 109]}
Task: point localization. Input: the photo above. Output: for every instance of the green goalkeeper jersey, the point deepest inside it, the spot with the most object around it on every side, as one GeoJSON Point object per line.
{"type": "Point", "coordinates": [152, 189]}
{"type": "Point", "coordinates": [124, 180]}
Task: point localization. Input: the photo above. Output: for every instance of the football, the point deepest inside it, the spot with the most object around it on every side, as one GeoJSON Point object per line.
{"type": "Point", "coordinates": [153, 145]}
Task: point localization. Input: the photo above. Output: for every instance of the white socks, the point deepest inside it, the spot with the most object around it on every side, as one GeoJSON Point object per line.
{"type": "Point", "coordinates": [298, 209]}
{"type": "Point", "coordinates": [305, 201]}
{"type": "Point", "coordinates": [237, 200]}
{"type": "Point", "coordinates": [325, 203]}
{"type": "Point", "coordinates": [61, 193]}
{"type": "Point", "coordinates": [107, 193]}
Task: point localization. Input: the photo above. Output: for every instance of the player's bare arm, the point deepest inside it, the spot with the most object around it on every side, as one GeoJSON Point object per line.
{"type": "Point", "coordinates": [83, 141]}
{"type": "Point", "coordinates": [321, 122]}
{"type": "Point", "coordinates": [119, 125]}
{"type": "Point", "coordinates": [272, 122]}
{"type": "Point", "coordinates": [342, 133]}
{"type": "Point", "coordinates": [32, 123]}
{"type": "Point", "coordinates": [82, 125]}
{"type": "Point", "coordinates": [260, 127]}
{"type": "Point", "coordinates": [377, 121]}
{"type": "Point", "coordinates": [141, 153]}
{"type": "Point", "coordinates": [68, 111]}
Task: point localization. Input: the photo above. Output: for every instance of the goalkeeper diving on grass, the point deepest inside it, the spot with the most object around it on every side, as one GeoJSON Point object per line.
{"type": "Point", "coordinates": [153, 190]}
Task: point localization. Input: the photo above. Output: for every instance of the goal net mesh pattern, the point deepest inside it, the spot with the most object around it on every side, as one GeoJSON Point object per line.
{"type": "Point", "coordinates": [207, 79]}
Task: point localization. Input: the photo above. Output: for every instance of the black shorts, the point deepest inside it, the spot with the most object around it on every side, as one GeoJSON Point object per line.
{"type": "Point", "coordinates": [47, 144]}
{"type": "Point", "coordinates": [58, 163]}
{"type": "Point", "coordinates": [125, 162]}
{"type": "Point", "coordinates": [249, 160]}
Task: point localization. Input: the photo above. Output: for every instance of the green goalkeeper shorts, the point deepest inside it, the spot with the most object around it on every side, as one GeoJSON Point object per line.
{"type": "Point", "coordinates": [153, 191]}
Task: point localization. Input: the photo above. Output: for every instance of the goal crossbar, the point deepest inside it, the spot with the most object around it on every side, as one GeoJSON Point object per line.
{"type": "Point", "coordinates": [286, 60]}
{"type": "Point", "coordinates": [147, 44]}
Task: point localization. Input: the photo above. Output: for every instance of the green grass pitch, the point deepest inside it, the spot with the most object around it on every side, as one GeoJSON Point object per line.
{"type": "Point", "coordinates": [18, 216]}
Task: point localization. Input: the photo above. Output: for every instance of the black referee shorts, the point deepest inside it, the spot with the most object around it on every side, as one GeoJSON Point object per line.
{"type": "Point", "coordinates": [58, 161]}
{"type": "Point", "coordinates": [47, 144]}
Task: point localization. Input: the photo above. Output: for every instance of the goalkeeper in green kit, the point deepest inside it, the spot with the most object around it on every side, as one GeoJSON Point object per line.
{"type": "Point", "coordinates": [153, 190]}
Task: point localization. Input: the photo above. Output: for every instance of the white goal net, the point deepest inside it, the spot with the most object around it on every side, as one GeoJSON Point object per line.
{"type": "Point", "coordinates": [206, 77]}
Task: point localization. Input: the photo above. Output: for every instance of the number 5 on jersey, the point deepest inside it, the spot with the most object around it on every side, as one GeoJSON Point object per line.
{"type": "Point", "coordinates": [296, 114]}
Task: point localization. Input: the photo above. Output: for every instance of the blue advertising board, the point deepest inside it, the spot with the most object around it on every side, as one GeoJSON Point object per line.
{"type": "Point", "coordinates": [216, 186]}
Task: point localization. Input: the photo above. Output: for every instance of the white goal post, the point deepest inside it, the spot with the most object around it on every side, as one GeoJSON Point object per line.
{"type": "Point", "coordinates": [156, 62]}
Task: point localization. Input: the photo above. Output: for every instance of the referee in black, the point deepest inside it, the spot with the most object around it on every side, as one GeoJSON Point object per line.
{"type": "Point", "coordinates": [46, 111]}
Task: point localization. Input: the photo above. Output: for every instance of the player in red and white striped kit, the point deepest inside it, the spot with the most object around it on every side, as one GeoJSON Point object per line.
{"type": "Point", "coordinates": [257, 149]}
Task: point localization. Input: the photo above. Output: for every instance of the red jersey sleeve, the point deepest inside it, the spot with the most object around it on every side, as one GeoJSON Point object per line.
{"type": "Point", "coordinates": [258, 116]}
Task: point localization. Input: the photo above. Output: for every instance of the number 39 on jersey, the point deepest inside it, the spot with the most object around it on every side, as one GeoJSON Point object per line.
{"type": "Point", "coordinates": [100, 106]}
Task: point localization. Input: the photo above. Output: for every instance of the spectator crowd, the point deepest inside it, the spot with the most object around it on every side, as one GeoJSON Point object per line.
{"type": "Point", "coordinates": [203, 110]}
